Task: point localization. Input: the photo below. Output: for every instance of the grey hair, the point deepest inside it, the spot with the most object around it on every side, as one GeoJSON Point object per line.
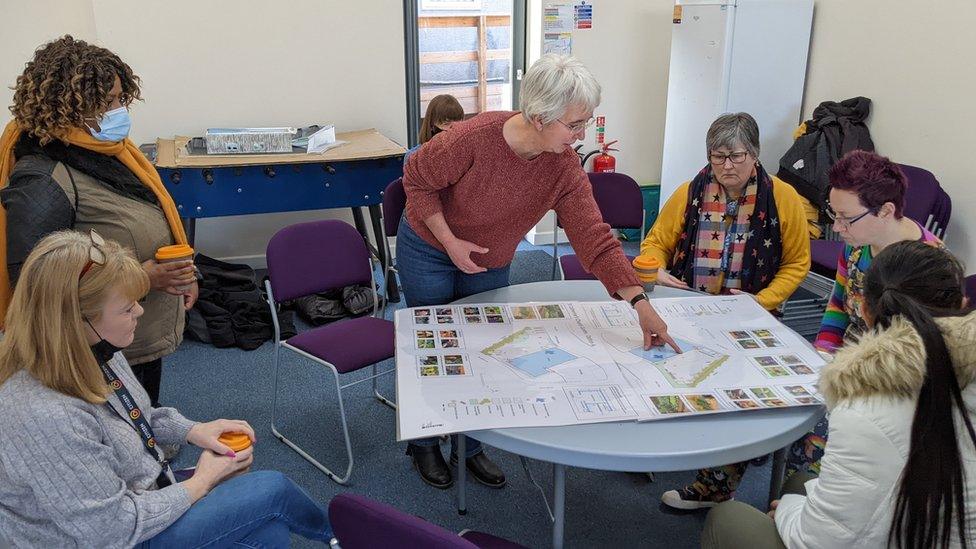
{"type": "Point", "coordinates": [731, 129]}
{"type": "Point", "coordinates": [554, 83]}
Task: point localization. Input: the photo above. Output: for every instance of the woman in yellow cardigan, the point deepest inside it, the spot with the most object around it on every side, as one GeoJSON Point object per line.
{"type": "Point", "coordinates": [733, 229]}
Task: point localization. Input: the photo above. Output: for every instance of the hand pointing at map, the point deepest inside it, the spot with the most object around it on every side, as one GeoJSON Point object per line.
{"type": "Point", "coordinates": [654, 328]}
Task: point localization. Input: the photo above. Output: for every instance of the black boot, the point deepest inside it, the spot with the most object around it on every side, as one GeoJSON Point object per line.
{"type": "Point", "coordinates": [483, 469]}
{"type": "Point", "coordinates": [430, 464]}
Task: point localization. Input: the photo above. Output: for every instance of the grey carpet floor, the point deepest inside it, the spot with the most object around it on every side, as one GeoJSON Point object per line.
{"type": "Point", "coordinates": [603, 509]}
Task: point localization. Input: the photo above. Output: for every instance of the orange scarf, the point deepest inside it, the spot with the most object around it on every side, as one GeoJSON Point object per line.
{"type": "Point", "coordinates": [126, 151]}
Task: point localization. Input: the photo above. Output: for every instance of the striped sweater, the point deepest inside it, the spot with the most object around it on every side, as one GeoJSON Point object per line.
{"type": "Point", "coordinates": [843, 319]}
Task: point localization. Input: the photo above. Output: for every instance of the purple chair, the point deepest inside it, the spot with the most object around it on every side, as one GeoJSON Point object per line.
{"type": "Point", "coordinates": [394, 202]}
{"type": "Point", "coordinates": [971, 289]}
{"type": "Point", "coordinates": [622, 206]}
{"type": "Point", "coordinates": [925, 201]}
{"type": "Point", "coordinates": [361, 523]}
{"type": "Point", "coordinates": [308, 258]}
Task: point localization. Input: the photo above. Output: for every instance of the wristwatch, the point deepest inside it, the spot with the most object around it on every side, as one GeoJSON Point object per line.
{"type": "Point", "coordinates": [637, 298]}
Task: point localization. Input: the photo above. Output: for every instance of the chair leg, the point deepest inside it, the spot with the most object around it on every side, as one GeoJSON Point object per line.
{"type": "Point", "coordinates": [379, 397]}
{"type": "Point", "coordinates": [345, 429]}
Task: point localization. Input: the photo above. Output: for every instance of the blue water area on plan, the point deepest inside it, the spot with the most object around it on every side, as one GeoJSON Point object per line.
{"type": "Point", "coordinates": [539, 362]}
{"type": "Point", "coordinates": [657, 354]}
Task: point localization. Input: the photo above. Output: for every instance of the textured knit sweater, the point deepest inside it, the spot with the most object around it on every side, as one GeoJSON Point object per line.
{"type": "Point", "coordinates": [74, 474]}
{"type": "Point", "coordinates": [491, 196]}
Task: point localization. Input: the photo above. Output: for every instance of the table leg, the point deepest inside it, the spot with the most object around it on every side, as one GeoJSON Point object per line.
{"type": "Point", "coordinates": [462, 474]}
{"type": "Point", "coordinates": [776, 477]}
{"type": "Point", "coordinates": [558, 504]}
{"type": "Point", "coordinates": [383, 251]}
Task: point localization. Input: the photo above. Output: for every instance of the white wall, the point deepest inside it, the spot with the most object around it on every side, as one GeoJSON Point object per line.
{"type": "Point", "coordinates": [915, 61]}
{"type": "Point", "coordinates": [27, 25]}
{"type": "Point", "coordinates": [627, 50]}
{"type": "Point", "coordinates": [241, 63]}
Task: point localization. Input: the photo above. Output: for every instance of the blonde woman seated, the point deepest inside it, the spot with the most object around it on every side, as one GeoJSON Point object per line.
{"type": "Point", "coordinates": [80, 463]}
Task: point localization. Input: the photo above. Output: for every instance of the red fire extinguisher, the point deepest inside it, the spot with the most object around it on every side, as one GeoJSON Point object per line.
{"type": "Point", "coordinates": [605, 162]}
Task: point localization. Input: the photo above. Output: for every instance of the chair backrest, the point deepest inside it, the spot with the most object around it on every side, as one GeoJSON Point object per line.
{"type": "Point", "coordinates": [924, 195]}
{"type": "Point", "coordinates": [971, 289]}
{"type": "Point", "coordinates": [308, 258]}
{"type": "Point", "coordinates": [923, 198]}
{"type": "Point", "coordinates": [359, 522]}
{"type": "Point", "coordinates": [943, 211]}
{"type": "Point", "coordinates": [619, 198]}
{"type": "Point", "coordinates": [394, 201]}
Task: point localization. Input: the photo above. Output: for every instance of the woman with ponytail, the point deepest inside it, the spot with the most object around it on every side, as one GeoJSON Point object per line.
{"type": "Point", "coordinates": [900, 469]}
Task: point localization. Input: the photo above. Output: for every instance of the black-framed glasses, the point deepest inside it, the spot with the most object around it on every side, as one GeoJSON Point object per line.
{"type": "Point", "coordinates": [95, 254]}
{"type": "Point", "coordinates": [719, 159]}
{"type": "Point", "coordinates": [577, 127]}
{"type": "Point", "coordinates": [846, 222]}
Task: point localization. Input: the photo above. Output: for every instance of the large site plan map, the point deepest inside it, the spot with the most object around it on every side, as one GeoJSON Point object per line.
{"type": "Point", "coordinates": [482, 366]}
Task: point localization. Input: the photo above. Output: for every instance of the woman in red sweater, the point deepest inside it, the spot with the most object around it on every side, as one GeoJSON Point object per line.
{"type": "Point", "coordinates": [475, 191]}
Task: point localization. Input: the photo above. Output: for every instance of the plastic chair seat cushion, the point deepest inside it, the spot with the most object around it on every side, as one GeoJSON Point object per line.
{"type": "Point", "coordinates": [349, 344]}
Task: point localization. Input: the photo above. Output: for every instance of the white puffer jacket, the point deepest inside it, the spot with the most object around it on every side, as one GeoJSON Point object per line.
{"type": "Point", "coordinates": [871, 389]}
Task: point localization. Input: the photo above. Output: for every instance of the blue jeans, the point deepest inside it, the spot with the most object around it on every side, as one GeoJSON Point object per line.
{"type": "Point", "coordinates": [259, 509]}
{"type": "Point", "coordinates": [429, 277]}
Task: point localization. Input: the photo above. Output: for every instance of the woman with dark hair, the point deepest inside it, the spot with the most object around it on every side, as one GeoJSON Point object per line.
{"type": "Point", "coordinates": [66, 162]}
{"type": "Point", "coordinates": [867, 203]}
{"type": "Point", "coordinates": [732, 229]}
{"type": "Point", "coordinates": [899, 469]}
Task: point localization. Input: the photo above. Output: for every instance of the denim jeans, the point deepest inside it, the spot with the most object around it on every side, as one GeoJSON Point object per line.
{"type": "Point", "coordinates": [259, 509]}
{"type": "Point", "coordinates": [429, 277]}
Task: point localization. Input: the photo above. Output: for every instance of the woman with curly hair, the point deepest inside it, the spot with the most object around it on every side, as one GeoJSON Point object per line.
{"type": "Point", "coordinates": [66, 163]}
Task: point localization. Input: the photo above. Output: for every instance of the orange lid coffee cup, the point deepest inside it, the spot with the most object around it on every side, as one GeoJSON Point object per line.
{"type": "Point", "coordinates": [176, 252]}
{"type": "Point", "coordinates": [646, 268]}
{"type": "Point", "coordinates": [235, 441]}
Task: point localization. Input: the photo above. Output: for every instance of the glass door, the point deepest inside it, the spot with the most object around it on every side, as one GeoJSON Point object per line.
{"type": "Point", "coordinates": [471, 49]}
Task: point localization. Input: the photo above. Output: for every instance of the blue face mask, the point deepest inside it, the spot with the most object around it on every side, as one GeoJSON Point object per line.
{"type": "Point", "coordinates": [115, 125]}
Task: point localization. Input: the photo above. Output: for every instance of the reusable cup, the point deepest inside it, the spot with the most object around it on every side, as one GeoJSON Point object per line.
{"type": "Point", "coordinates": [176, 252]}
{"type": "Point", "coordinates": [235, 441]}
{"type": "Point", "coordinates": [646, 268]}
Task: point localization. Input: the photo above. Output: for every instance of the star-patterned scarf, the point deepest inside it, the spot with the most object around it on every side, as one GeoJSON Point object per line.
{"type": "Point", "coordinates": [713, 255]}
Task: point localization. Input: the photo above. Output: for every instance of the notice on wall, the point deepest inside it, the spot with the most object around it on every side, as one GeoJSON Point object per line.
{"type": "Point", "coordinates": [557, 18]}
{"type": "Point", "coordinates": [557, 22]}
{"type": "Point", "coordinates": [583, 15]}
{"type": "Point", "coordinates": [558, 42]}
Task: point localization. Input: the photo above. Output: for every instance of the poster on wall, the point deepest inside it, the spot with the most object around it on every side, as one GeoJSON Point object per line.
{"type": "Point", "coordinates": [557, 22]}
{"type": "Point", "coordinates": [583, 15]}
{"type": "Point", "coordinates": [558, 42]}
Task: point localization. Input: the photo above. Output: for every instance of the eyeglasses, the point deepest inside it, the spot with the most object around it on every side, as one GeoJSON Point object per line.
{"type": "Point", "coordinates": [95, 254]}
{"type": "Point", "coordinates": [736, 157]}
{"type": "Point", "coordinates": [577, 127]}
{"type": "Point", "coordinates": [846, 222]}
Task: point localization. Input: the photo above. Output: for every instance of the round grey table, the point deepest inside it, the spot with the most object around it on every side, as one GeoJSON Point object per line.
{"type": "Point", "coordinates": [678, 444]}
